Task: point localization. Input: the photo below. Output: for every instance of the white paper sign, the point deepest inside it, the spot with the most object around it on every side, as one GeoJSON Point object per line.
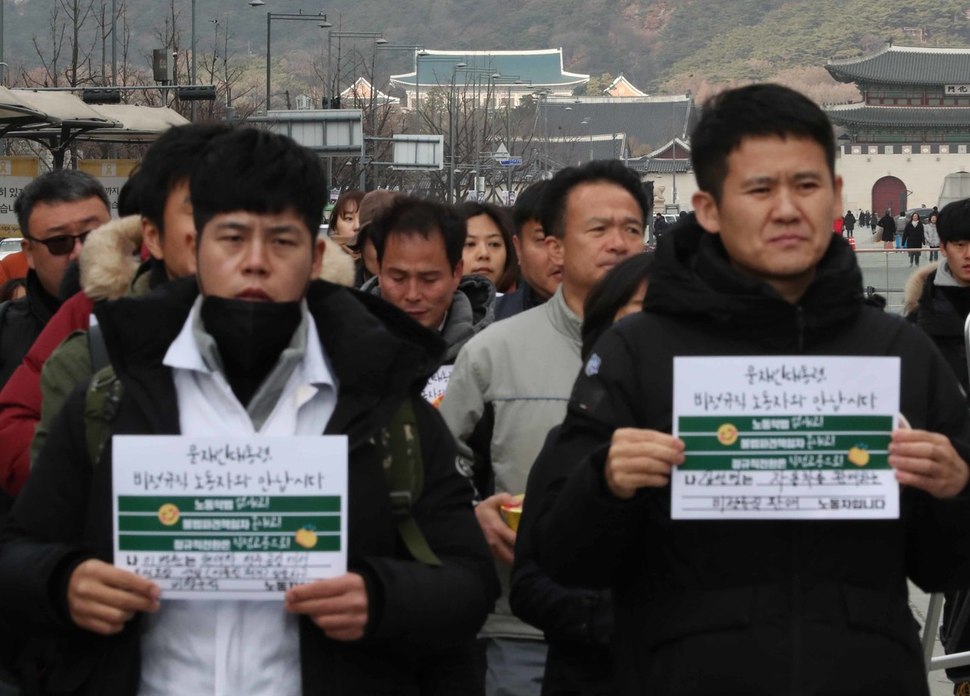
{"type": "Point", "coordinates": [801, 437]}
{"type": "Point", "coordinates": [434, 390]}
{"type": "Point", "coordinates": [230, 518]}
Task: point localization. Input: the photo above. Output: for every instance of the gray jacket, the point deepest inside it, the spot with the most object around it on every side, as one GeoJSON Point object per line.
{"type": "Point", "coordinates": [515, 377]}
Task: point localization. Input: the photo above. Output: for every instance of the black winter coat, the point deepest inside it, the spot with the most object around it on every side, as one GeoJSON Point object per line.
{"type": "Point", "coordinates": [512, 303]}
{"type": "Point", "coordinates": [913, 236]}
{"type": "Point", "coordinates": [577, 622]}
{"type": "Point", "coordinates": [752, 607]}
{"type": "Point", "coordinates": [422, 618]}
{"type": "Point", "coordinates": [941, 314]}
{"type": "Point", "coordinates": [23, 320]}
{"type": "Point", "coordinates": [888, 228]}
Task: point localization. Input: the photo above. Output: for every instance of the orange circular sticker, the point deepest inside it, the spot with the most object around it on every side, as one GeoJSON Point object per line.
{"type": "Point", "coordinates": [168, 514]}
{"type": "Point", "coordinates": [727, 434]}
{"type": "Point", "coordinates": [858, 455]}
{"type": "Point", "coordinates": [307, 538]}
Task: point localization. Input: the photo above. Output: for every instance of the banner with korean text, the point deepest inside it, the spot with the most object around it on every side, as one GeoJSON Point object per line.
{"type": "Point", "coordinates": [230, 518]}
{"type": "Point", "coordinates": [803, 437]}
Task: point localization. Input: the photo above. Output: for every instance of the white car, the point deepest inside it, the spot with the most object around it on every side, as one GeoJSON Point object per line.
{"type": "Point", "coordinates": [9, 245]}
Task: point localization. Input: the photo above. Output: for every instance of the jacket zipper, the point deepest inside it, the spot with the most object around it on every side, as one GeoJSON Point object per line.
{"type": "Point", "coordinates": [796, 618]}
{"type": "Point", "coordinates": [796, 587]}
{"type": "Point", "coordinates": [800, 327]}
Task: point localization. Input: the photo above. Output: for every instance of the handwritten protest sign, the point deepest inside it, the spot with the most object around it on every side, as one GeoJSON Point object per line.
{"type": "Point", "coordinates": [241, 518]}
{"type": "Point", "coordinates": [785, 437]}
{"type": "Point", "coordinates": [434, 390]}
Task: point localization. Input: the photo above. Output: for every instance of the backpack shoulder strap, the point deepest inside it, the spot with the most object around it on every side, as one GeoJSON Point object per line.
{"type": "Point", "coordinates": [399, 449]}
{"type": "Point", "coordinates": [97, 347]}
{"type": "Point", "coordinates": [100, 408]}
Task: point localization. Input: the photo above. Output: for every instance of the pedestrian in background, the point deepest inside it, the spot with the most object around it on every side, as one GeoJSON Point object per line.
{"type": "Point", "coordinates": [932, 238]}
{"type": "Point", "coordinates": [913, 238]}
{"type": "Point", "coordinates": [849, 222]}
{"type": "Point", "coordinates": [888, 226]}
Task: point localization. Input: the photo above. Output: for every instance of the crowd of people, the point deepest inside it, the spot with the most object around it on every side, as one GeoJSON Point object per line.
{"type": "Point", "coordinates": [468, 355]}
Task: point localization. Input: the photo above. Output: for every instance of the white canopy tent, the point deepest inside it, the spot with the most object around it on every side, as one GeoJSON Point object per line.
{"type": "Point", "coordinates": [56, 119]}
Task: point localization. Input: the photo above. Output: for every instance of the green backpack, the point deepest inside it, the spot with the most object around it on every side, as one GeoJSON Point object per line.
{"type": "Point", "coordinates": [398, 447]}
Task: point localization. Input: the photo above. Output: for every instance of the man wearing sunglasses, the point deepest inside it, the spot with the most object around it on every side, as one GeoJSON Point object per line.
{"type": "Point", "coordinates": [55, 212]}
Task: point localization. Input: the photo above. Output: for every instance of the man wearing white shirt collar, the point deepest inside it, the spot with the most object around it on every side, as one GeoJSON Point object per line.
{"type": "Point", "coordinates": [256, 348]}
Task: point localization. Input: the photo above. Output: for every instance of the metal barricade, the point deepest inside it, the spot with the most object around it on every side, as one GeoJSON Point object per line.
{"type": "Point", "coordinates": [885, 271]}
{"type": "Point", "coordinates": [933, 614]}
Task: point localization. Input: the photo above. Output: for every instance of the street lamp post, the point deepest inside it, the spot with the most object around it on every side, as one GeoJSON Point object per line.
{"type": "Point", "coordinates": [588, 122]}
{"type": "Point", "coordinates": [508, 131]}
{"type": "Point", "coordinates": [509, 81]}
{"type": "Point", "coordinates": [451, 132]}
{"type": "Point", "coordinates": [421, 56]}
{"type": "Point", "coordinates": [335, 83]}
{"type": "Point", "coordinates": [480, 128]}
{"type": "Point", "coordinates": [320, 18]}
{"type": "Point", "coordinates": [542, 103]}
{"type": "Point", "coordinates": [416, 48]}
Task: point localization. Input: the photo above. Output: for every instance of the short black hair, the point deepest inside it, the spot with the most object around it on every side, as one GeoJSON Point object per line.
{"type": "Point", "coordinates": [260, 172]}
{"type": "Point", "coordinates": [128, 203]}
{"type": "Point", "coordinates": [558, 189]}
{"type": "Point", "coordinates": [410, 216]}
{"type": "Point", "coordinates": [953, 222]}
{"type": "Point", "coordinates": [528, 206]}
{"type": "Point", "coordinates": [751, 112]}
{"type": "Point", "coordinates": [610, 294]}
{"type": "Point", "coordinates": [169, 161]}
{"type": "Point", "coordinates": [58, 186]}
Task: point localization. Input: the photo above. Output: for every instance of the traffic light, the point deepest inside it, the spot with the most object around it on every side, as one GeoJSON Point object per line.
{"type": "Point", "coordinates": [101, 95]}
{"type": "Point", "coordinates": [196, 93]}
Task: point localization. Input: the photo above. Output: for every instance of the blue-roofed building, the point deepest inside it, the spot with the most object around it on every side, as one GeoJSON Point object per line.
{"type": "Point", "coordinates": [494, 76]}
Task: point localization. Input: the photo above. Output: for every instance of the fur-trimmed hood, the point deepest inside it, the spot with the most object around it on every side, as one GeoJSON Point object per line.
{"type": "Point", "coordinates": [109, 258]}
{"type": "Point", "coordinates": [913, 289]}
{"type": "Point", "coordinates": [338, 266]}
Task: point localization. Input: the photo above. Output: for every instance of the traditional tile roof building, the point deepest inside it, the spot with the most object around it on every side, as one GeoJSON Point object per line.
{"type": "Point", "coordinates": [363, 93]}
{"type": "Point", "coordinates": [911, 129]}
{"type": "Point", "coordinates": [909, 94]}
{"type": "Point", "coordinates": [622, 87]}
{"type": "Point", "coordinates": [648, 123]}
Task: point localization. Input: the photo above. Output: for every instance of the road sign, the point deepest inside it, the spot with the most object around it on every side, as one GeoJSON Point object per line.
{"type": "Point", "coordinates": [511, 162]}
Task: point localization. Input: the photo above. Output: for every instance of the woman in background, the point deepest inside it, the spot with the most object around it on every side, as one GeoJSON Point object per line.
{"type": "Point", "coordinates": [344, 220]}
{"type": "Point", "coordinates": [488, 245]}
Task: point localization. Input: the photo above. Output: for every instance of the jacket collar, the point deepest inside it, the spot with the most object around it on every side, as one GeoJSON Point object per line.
{"type": "Point", "coordinates": [563, 319]}
{"type": "Point", "coordinates": [692, 276]}
{"type": "Point", "coordinates": [472, 309]}
{"type": "Point", "coordinates": [377, 353]}
{"type": "Point", "coordinates": [42, 304]}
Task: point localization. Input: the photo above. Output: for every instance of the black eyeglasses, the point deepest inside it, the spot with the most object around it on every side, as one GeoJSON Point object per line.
{"type": "Point", "coordinates": [62, 244]}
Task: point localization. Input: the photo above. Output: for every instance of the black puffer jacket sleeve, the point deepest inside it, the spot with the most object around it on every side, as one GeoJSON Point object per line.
{"type": "Point", "coordinates": [574, 615]}
{"type": "Point", "coordinates": [582, 529]}
{"type": "Point", "coordinates": [435, 606]}
{"type": "Point", "coordinates": [43, 540]}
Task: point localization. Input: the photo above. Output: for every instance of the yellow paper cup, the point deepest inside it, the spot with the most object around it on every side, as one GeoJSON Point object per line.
{"type": "Point", "coordinates": [512, 512]}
